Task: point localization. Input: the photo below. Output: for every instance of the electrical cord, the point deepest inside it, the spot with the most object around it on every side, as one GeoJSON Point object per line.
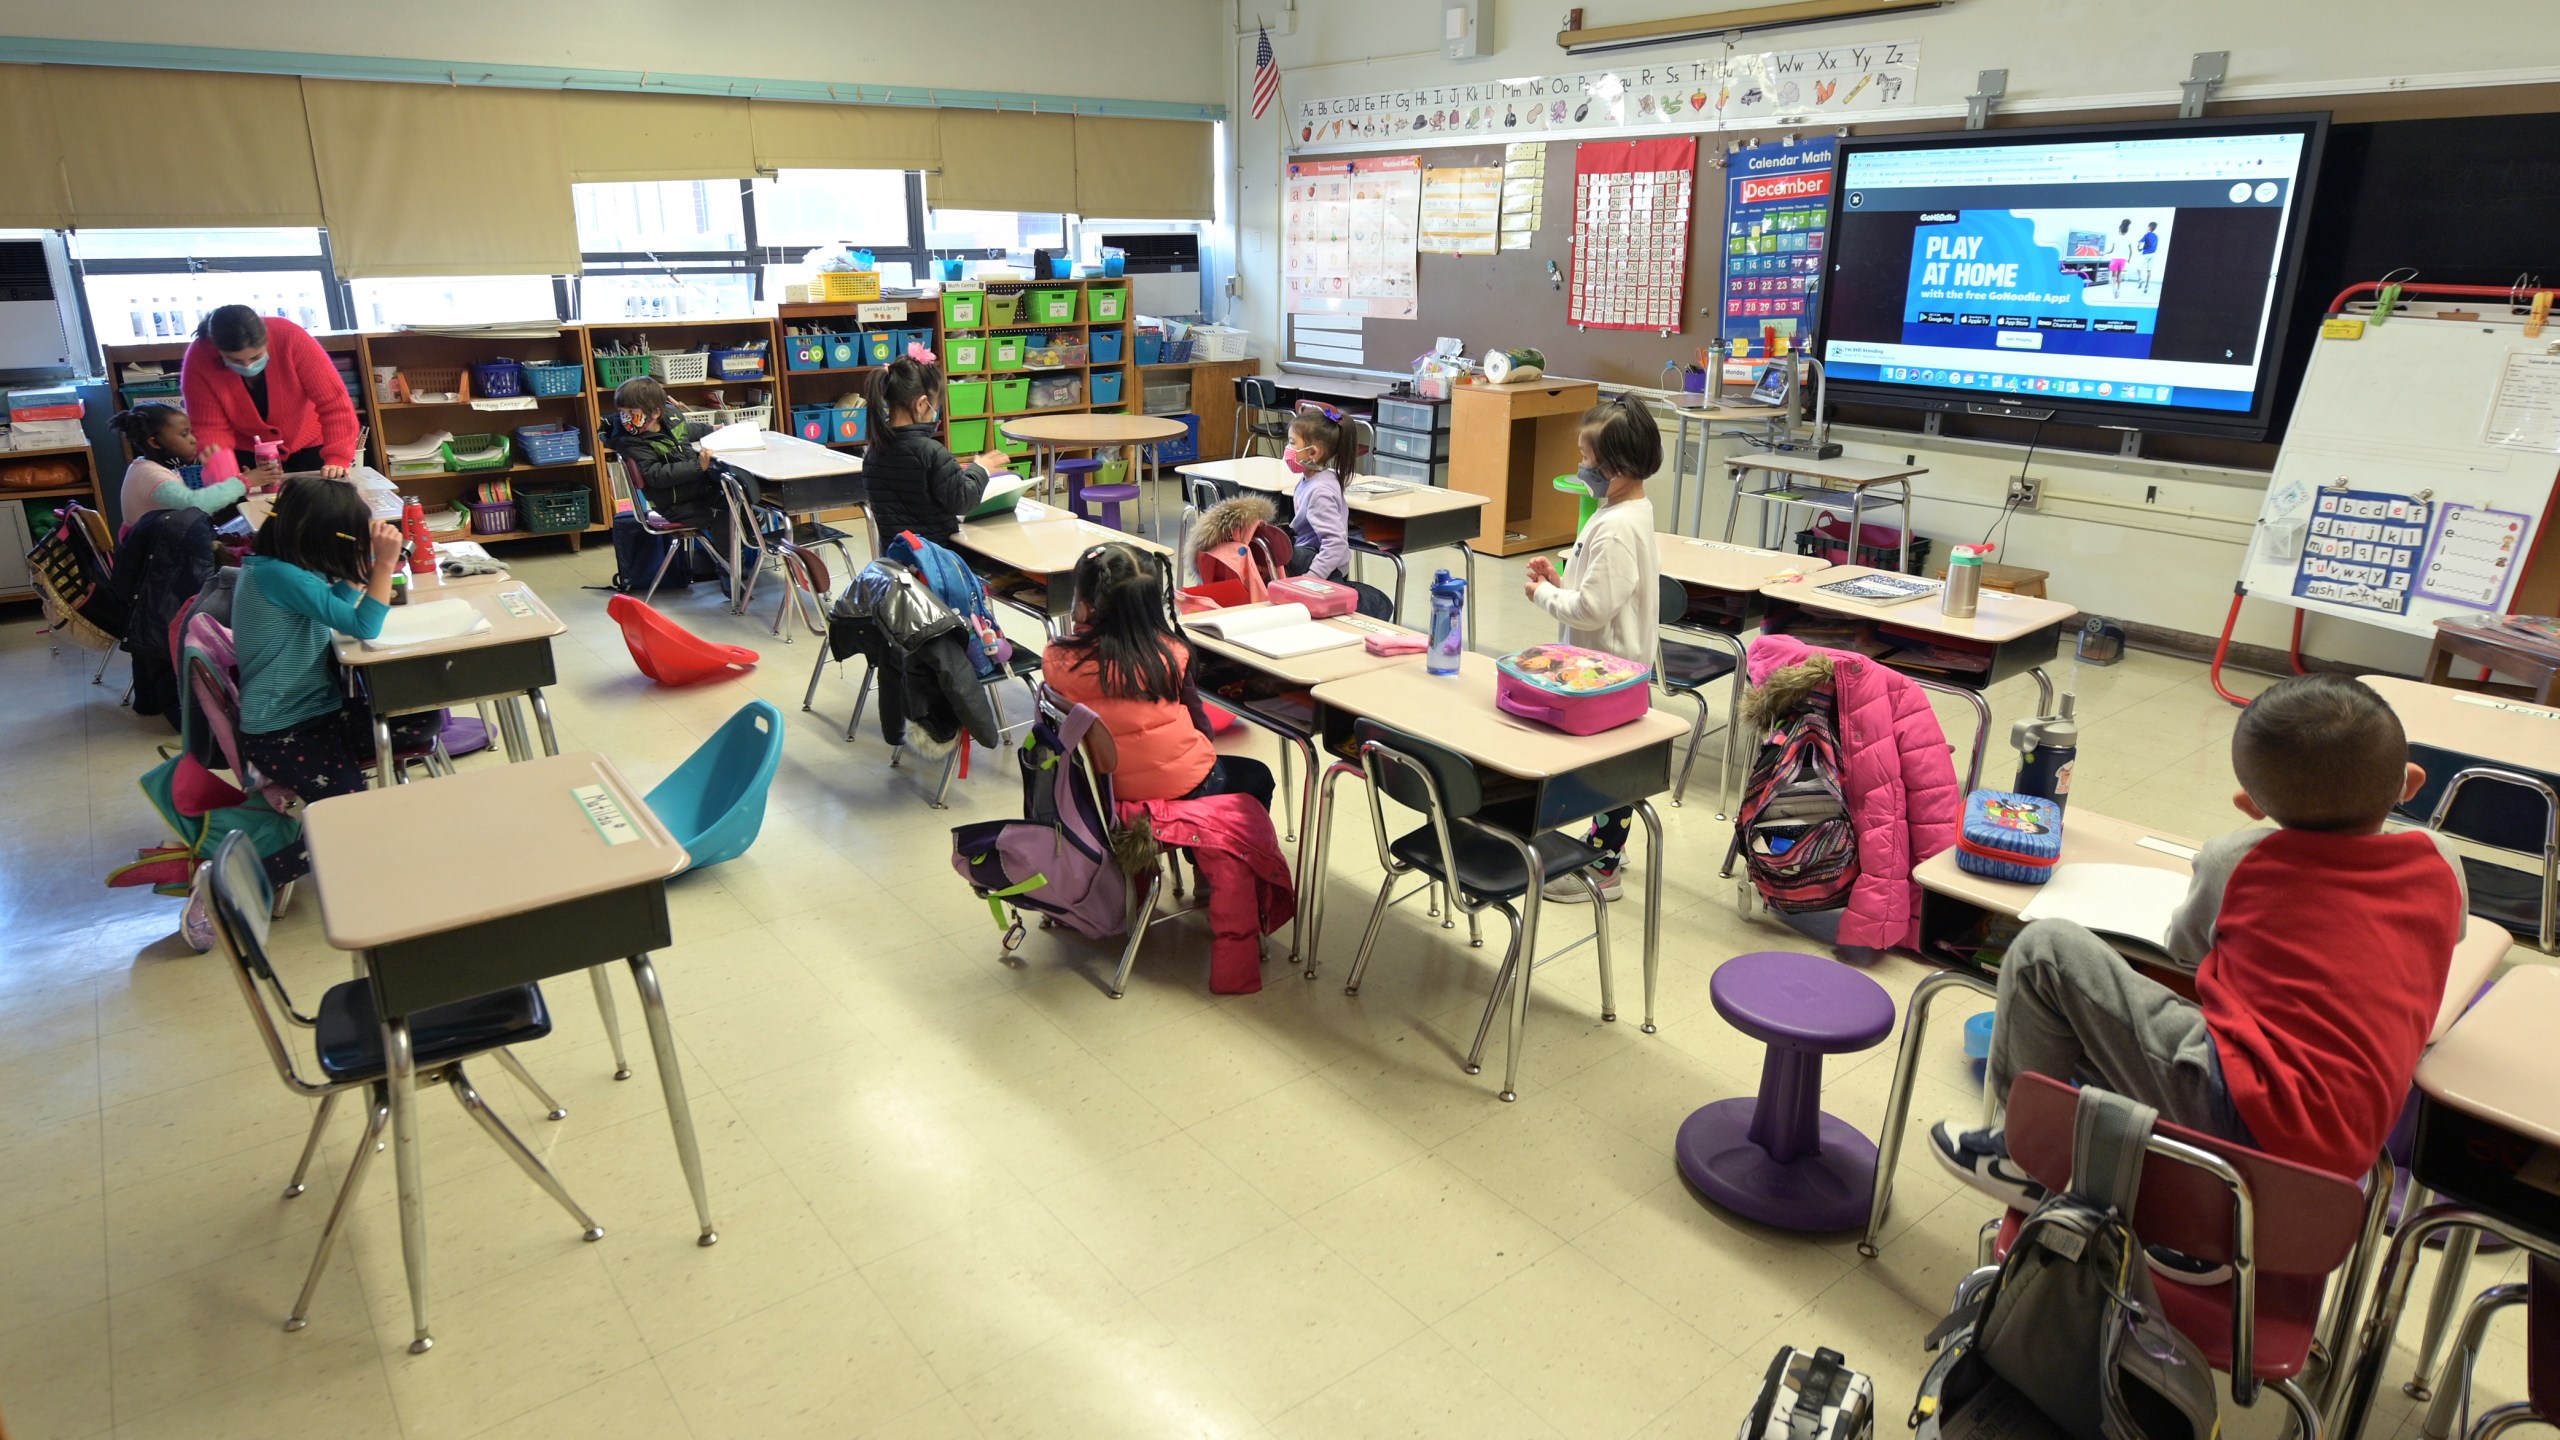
{"type": "Point", "coordinates": [2009, 511]}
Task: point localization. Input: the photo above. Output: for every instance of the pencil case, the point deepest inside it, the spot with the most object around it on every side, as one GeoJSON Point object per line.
{"type": "Point", "coordinates": [1401, 642]}
{"type": "Point", "coordinates": [1324, 599]}
{"type": "Point", "coordinates": [2008, 836]}
{"type": "Point", "coordinates": [1577, 690]}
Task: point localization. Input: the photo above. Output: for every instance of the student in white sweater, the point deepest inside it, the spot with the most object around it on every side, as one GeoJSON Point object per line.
{"type": "Point", "coordinates": [1615, 595]}
{"type": "Point", "coordinates": [161, 441]}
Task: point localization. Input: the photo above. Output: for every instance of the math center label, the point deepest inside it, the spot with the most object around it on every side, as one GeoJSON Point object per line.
{"type": "Point", "coordinates": [606, 813]}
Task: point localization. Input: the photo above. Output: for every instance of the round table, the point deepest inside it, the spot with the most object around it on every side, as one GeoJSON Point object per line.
{"type": "Point", "coordinates": [1048, 434]}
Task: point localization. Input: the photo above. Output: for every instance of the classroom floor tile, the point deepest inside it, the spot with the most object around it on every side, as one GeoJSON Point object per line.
{"type": "Point", "coordinates": [961, 1193]}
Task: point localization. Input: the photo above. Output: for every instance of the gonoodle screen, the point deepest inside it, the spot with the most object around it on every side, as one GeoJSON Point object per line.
{"type": "Point", "coordinates": [2139, 271]}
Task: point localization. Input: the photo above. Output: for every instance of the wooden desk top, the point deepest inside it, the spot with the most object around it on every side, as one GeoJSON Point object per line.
{"type": "Point", "coordinates": [2089, 838]}
{"type": "Point", "coordinates": [1722, 565]}
{"type": "Point", "coordinates": [1093, 429]}
{"type": "Point", "coordinates": [505, 627]}
{"type": "Point", "coordinates": [1039, 539]}
{"type": "Point", "coordinates": [1998, 619]}
{"type": "Point", "coordinates": [1458, 711]}
{"type": "Point", "coordinates": [1269, 475]}
{"type": "Point", "coordinates": [1842, 472]}
{"type": "Point", "coordinates": [786, 458]}
{"type": "Point", "coordinates": [382, 497]}
{"type": "Point", "coordinates": [1317, 667]}
{"type": "Point", "coordinates": [2499, 1063]}
{"type": "Point", "coordinates": [505, 839]}
{"type": "Point", "coordinates": [2492, 728]}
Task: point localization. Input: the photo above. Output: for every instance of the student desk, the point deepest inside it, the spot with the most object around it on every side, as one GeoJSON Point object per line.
{"type": "Point", "coordinates": [1274, 694]}
{"type": "Point", "coordinates": [2009, 635]}
{"type": "Point", "coordinates": [1337, 391]}
{"type": "Point", "coordinates": [510, 659]}
{"type": "Point", "coordinates": [1691, 410]}
{"type": "Point", "coordinates": [1839, 485]}
{"type": "Point", "coordinates": [1724, 581]}
{"type": "Point", "coordinates": [542, 869]}
{"type": "Point", "coordinates": [381, 496]}
{"type": "Point", "coordinates": [1037, 547]}
{"type": "Point", "coordinates": [1392, 524]}
{"type": "Point", "coordinates": [1140, 434]}
{"type": "Point", "coordinates": [2504, 745]}
{"type": "Point", "coordinates": [793, 477]}
{"type": "Point", "coordinates": [2471, 638]}
{"type": "Point", "coordinates": [1568, 777]}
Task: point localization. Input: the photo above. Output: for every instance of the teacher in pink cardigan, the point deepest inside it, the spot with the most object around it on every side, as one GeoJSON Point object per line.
{"type": "Point", "coordinates": [248, 378]}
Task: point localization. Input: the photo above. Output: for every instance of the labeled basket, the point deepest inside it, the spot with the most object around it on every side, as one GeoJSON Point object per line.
{"type": "Point", "coordinates": [1006, 354]}
{"type": "Point", "coordinates": [968, 437]}
{"type": "Point", "coordinates": [1005, 309]}
{"type": "Point", "coordinates": [813, 422]}
{"type": "Point", "coordinates": [965, 399]}
{"type": "Point", "coordinates": [1053, 307]}
{"type": "Point", "coordinates": [550, 378]}
{"type": "Point", "coordinates": [850, 422]}
{"type": "Point", "coordinates": [963, 309]}
{"type": "Point", "coordinates": [548, 445]}
{"type": "Point", "coordinates": [964, 354]}
{"type": "Point", "coordinates": [844, 352]}
{"type": "Point", "coordinates": [747, 364]}
{"type": "Point", "coordinates": [806, 352]}
{"type": "Point", "coordinates": [684, 367]}
{"type": "Point", "coordinates": [497, 380]}
{"type": "Point", "coordinates": [612, 370]}
{"type": "Point", "coordinates": [466, 453]}
{"type": "Point", "coordinates": [1012, 395]}
{"type": "Point", "coordinates": [913, 336]}
{"type": "Point", "coordinates": [549, 511]}
{"type": "Point", "coordinates": [493, 517]}
{"type": "Point", "coordinates": [1107, 307]}
{"type": "Point", "coordinates": [879, 347]}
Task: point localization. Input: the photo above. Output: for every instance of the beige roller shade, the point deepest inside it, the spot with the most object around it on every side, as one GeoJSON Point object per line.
{"type": "Point", "coordinates": [33, 197]}
{"type": "Point", "coordinates": [614, 136]}
{"type": "Point", "coordinates": [435, 180]}
{"type": "Point", "coordinates": [1144, 169]}
{"type": "Point", "coordinates": [1005, 160]}
{"type": "Point", "coordinates": [183, 147]}
{"type": "Point", "coordinates": [844, 137]}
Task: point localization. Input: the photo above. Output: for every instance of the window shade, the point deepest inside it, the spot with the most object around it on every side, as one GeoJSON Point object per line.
{"type": "Point", "coordinates": [183, 147]}
{"type": "Point", "coordinates": [844, 137]}
{"type": "Point", "coordinates": [33, 198]}
{"type": "Point", "coordinates": [1005, 160]}
{"type": "Point", "coordinates": [613, 136]}
{"type": "Point", "coordinates": [1144, 169]}
{"type": "Point", "coordinates": [436, 180]}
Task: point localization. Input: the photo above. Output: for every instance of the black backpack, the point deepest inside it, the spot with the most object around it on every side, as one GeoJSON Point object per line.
{"type": "Point", "coordinates": [637, 552]}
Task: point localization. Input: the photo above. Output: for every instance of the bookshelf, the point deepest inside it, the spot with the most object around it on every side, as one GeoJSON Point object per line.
{"type": "Point", "coordinates": [423, 357]}
{"type": "Point", "coordinates": [20, 511]}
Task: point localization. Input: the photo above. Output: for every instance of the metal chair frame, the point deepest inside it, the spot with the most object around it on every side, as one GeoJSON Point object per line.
{"type": "Point", "coordinates": [681, 535]}
{"type": "Point", "coordinates": [1258, 396]}
{"type": "Point", "coordinates": [1674, 608]}
{"type": "Point", "coordinates": [1144, 911]}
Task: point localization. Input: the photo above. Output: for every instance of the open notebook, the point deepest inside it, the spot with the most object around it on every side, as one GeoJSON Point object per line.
{"type": "Point", "coordinates": [2132, 902]}
{"type": "Point", "coordinates": [435, 620]}
{"type": "Point", "coordinates": [1004, 491]}
{"type": "Point", "coordinates": [1278, 631]}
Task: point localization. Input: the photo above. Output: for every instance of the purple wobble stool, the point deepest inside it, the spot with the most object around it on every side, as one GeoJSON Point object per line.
{"type": "Point", "coordinates": [1777, 1158]}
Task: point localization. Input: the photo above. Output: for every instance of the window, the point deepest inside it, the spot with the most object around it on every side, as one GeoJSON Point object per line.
{"type": "Point", "coordinates": [145, 286]}
{"type": "Point", "coordinates": [453, 300]}
{"type": "Point", "coordinates": [657, 293]}
{"type": "Point", "coordinates": [92, 245]}
{"type": "Point", "coordinates": [804, 208]}
{"type": "Point", "coordinates": [995, 230]}
{"type": "Point", "coordinates": [661, 217]}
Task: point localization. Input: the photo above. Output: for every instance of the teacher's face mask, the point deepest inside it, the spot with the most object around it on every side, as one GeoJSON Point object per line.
{"type": "Point", "coordinates": [247, 368]}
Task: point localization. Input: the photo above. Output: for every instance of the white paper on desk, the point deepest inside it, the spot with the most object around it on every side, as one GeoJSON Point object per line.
{"type": "Point", "coordinates": [1278, 631]}
{"type": "Point", "coordinates": [733, 439]}
{"type": "Point", "coordinates": [435, 620]}
{"type": "Point", "coordinates": [2134, 901]}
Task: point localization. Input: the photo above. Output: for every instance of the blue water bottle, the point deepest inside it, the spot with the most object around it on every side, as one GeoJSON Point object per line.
{"type": "Point", "coordinates": [1448, 625]}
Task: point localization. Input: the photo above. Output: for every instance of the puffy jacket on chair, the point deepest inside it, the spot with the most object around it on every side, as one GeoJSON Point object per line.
{"type": "Point", "coordinates": [1251, 893]}
{"type": "Point", "coordinates": [1903, 792]}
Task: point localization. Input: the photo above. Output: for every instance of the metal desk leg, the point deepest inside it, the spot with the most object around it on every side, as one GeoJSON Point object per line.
{"type": "Point", "coordinates": [2451, 1270]}
{"type": "Point", "coordinates": [1314, 860]}
{"type": "Point", "coordinates": [662, 1040]}
{"type": "Point", "coordinates": [1904, 567]}
{"type": "Point", "coordinates": [1469, 560]}
{"type": "Point", "coordinates": [1734, 471]}
{"type": "Point", "coordinates": [1652, 904]}
{"type": "Point", "coordinates": [1698, 511]}
{"type": "Point", "coordinates": [1306, 824]}
{"type": "Point", "coordinates": [1897, 1100]}
{"type": "Point", "coordinates": [542, 717]}
{"type": "Point", "coordinates": [1981, 729]}
{"type": "Point", "coordinates": [401, 1067]}
{"type": "Point", "coordinates": [611, 1014]}
{"type": "Point", "coordinates": [511, 734]}
{"type": "Point", "coordinates": [386, 773]}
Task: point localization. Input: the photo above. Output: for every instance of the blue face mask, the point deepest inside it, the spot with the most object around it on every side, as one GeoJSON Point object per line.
{"type": "Point", "coordinates": [253, 368]}
{"type": "Point", "coordinates": [1592, 480]}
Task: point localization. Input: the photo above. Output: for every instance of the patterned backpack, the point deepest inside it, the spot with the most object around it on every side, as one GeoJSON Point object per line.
{"type": "Point", "coordinates": [1793, 831]}
{"type": "Point", "coordinates": [1057, 859]}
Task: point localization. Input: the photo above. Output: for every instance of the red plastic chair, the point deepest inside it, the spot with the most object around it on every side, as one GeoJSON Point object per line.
{"type": "Point", "coordinates": [667, 652]}
{"type": "Point", "coordinates": [2315, 1223]}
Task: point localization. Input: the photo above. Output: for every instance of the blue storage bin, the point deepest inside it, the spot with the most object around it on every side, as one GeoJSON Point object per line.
{"type": "Point", "coordinates": [1106, 346]}
{"type": "Point", "coordinates": [844, 352]}
{"type": "Point", "coordinates": [1106, 387]}
{"type": "Point", "coordinates": [806, 352]}
{"type": "Point", "coordinates": [1150, 347]}
{"type": "Point", "coordinates": [1184, 450]}
{"type": "Point", "coordinates": [548, 444]}
{"type": "Point", "coordinates": [813, 422]}
{"type": "Point", "coordinates": [920, 336]}
{"type": "Point", "coordinates": [849, 422]}
{"type": "Point", "coordinates": [2008, 836]}
{"type": "Point", "coordinates": [879, 347]}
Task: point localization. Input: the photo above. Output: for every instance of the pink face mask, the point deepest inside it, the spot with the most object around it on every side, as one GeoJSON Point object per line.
{"type": "Point", "coordinates": [1295, 459]}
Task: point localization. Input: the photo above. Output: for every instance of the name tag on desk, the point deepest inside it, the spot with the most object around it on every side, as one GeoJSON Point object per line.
{"type": "Point", "coordinates": [606, 814]}
{"type": "Point", "coordinates": [516, 603]}
{"type": "Point", "coordinates": [2485, 703]}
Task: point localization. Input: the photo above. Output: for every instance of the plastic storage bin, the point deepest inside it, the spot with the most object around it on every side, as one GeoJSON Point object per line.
{"type": "Point", "coordinates": [1105, 345]}
{"type": "Point", "coordinates": [2009, 836]}
{"type": "Point", "coordinates": [1012, 395]}
{"type": "Point", "coordinates": [612, 370]}
{"type": "Point", "coordinates": [965, 399]}
{"type": "Point", "coordinates": [497, 380]}
{"type": "Point", "coordinates": [549, 511]}
{"type": "Point", "coordinates": [1413, 444]}
{"type": "Point", "coordinates": [1106, 306]}
{"type": "Point", "coordinates": [915, 335]}
{"type": "Point", "coordinates": [805, 352]}
{"type": "Point", "coordinates": [1150, 347]}
{"type": "Point", "coordinates": [493, 517]}
{"type": "Point", "coordinates": [543, 378]}
{"type": "Point", "coordinates": [963, 309]}
{"type": "Point", "coordinates": [964, 354]}
{"type": "Point", "coordinates": [837, 287]}
{"type": "Point", "coordinates": [813, 422]}
{"type": "Point", "coordinates": [1171, 397]}
{"type": "Point", "coordinates": [549, 444]}
{"type": "Point", "coordinates": [1055, 392]}
{"type": "Point", "coordinates": [737, 365]}
{"type": "Point", "coordinates": [1184, 450]}
{"type": "Point", "coordinates": [1106, 387]}
{"type": "Point", "coordinates": [466, 453]}
{"type": "Point", "coordinates": [1413, 414]}
{"type": "Point", "coordinates": [1054, 307]}
{"type": "Point", "coordinates": [844, 352]}
{"type": "Point", "coordinates": [998, 440]}
{"type": "Point", "coordinates": [968, 437]}
{"type": "Point", "coordinates": [879, 347]}
{"type": "Point", "coordinates": [684, 367]}
{"type": "Point", "coordinates": [1063, 352]}
{"type": "Point", "coordinates": [1006, 354]}
{"type": "Point", "coordinates": [1004, 309]}
{"type": "Point", "coordinates": [1420, 472]}
{"type": "Point", "coordinates": [849, 422]}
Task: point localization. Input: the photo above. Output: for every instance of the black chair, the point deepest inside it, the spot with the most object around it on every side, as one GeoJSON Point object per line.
{"type": "Point", "coordinates": [1478, 864]}
{"type": "Point", "coordinates": [1262, 417]}
{"type": "Point", "coordinates": [678, 534]}
{"type": "Point", "coordinates": [1686, 671]}
{"type": "Point", "coordinates": [347, 1050]}
{"type": "Point", "coordinates": [2517, 811]}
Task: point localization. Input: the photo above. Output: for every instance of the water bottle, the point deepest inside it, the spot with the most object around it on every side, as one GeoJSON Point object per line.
{"type": "Point", "coordinates": [2048, 746]}
{"type": "Point", "coordinates": [1448, 625]}
{"type": "Point", "coordinates": [1963, 593]}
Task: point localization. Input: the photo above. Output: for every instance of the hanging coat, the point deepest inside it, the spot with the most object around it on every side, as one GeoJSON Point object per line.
{"type": "Point", "coordinates": [1251, 893]}
{"type": "Point", "coordinates": [164, 559]}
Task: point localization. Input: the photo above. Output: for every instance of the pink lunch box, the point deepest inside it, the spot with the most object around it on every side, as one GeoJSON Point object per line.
{"type": "Point", "coordinates": [1324, 599]}
{"type": "Point", "coordinates": [1576, 690]}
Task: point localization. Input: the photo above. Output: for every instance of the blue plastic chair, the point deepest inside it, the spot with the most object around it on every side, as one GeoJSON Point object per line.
{"type": "Point", "coordinates": [714, 803]}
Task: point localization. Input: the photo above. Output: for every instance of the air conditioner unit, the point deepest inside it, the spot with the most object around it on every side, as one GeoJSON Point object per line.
{"type": "Point", "coordinates": [39, 330]}
{"type": "Point", "coordinates": [1164, 272]}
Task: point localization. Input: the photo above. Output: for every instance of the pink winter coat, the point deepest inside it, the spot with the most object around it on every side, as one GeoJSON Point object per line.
{"type": "Point", "coordinates": [1251, 893]}
{"type": "Point", "coordinates": [1903, 794]}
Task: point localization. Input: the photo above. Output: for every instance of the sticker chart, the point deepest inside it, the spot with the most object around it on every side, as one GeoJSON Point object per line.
{"type": "Point", "coordinates": [1631, 203]}
{"type": "Point", "coordinates": [1461, 209]}
{"type": "Point", "coordinates": [2472, 559]}
{"type": "Point", "coordinates": [2363, 550]}
{"type": "Point", "coordinates": [1351, 228]}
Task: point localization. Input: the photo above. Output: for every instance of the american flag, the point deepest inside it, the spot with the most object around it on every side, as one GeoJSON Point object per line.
{"type": "Point", "coordinates": [1266, 73]}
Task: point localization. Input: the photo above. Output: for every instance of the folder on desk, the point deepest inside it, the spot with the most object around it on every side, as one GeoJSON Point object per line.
{"type": "Point", "coordinates": [2132, 902]}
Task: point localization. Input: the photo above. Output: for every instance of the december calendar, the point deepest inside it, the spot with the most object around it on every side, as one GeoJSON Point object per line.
{"type": "Point", "coordinates": [1631, 204]}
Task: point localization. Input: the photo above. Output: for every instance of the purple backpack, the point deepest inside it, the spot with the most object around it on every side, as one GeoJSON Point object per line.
{"type": "Point", "coordinates": [1056, 860]}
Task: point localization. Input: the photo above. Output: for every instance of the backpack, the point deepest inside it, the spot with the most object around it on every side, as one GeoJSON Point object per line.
{"type": "Point", "coordinates": [2066, 1338]}
{"type": "Point", "coordinates": [1056, 860]}
{"type": "Point", "coordinates": [1793, 829]}
{"type": "Point", "coordinates": [958, 586]}
{"type": "Point", "coordinates": [74, 569]}
{"type": "Point", "coordinates": [637, 553]}
{"type": "Point", "coordinates": [1811, 1397]}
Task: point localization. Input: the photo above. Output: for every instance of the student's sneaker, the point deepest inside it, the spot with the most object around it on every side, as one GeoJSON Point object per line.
{"type": "Point", "coordinates": [1980, 1158]}
{"type": "Point", "coordinates": [196, 926]}
{"type": "Point", "coordinates": [2184, 1269]}
{"type": "Point", "coordinates": [1565, 890]}
{"type": "Point", "coordinates": [284, 900]}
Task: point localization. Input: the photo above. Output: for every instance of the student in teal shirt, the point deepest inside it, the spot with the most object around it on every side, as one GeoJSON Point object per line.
{"type": "Point", "coordinates": [321, 567]}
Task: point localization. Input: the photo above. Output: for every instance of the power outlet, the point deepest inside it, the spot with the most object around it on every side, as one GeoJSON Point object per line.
{"type": "Point", "coordinates": [2025, 494]}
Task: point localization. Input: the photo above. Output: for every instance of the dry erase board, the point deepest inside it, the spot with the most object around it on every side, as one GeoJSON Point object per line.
{"type": "Point", "coordinates": [2416, 477]}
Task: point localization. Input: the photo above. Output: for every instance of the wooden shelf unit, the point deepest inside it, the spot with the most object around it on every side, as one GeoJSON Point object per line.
{"type": "Point", "coordinates": [18, 531]}
{"type": "Point", "coordinates": [400, 422]}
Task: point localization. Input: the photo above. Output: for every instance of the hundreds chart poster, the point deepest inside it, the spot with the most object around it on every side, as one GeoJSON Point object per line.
{"type": "Point", "coordinates": [1778, 203]}
{"type": "Point", "coordinates": [1631, 204]}
{"type": "Point", "coordinates": [1352, 226]}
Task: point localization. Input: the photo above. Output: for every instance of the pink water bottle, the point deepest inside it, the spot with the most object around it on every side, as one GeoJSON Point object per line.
{"type": "Point", "coordinates": [269, 452]}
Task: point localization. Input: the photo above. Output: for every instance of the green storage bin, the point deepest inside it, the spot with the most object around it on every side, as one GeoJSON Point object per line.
{"type": "Point", "coordinates": [1054, 307]}
{"type": "Point", "coordinates": [965, 399]}
{"type": "Point", "coordinates": [964, 309]}
{"type": "Point", "coordinates": [1012, 395]}
{"type": "Point", "coordinates": [1006, 353]}
{"type": "Point", "coordinates": [1005, 309]}
{"type": "Point", "coordinates": [612, 370]}
{"type": "Point", "coordinates": [1106, 307]}
{"type": "Point", "coordinates": [964, 354]}
{"type": "Point", "coordinates": [1009, 445]}
{"type": "Point", "coordinates": [968, 437]}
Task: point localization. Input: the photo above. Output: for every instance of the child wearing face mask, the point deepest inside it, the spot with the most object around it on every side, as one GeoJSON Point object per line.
{"type": "Point", "coordinates": [1320, 449]}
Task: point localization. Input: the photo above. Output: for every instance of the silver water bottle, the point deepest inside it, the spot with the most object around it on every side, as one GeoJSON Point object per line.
{"type": "Point", "coordinates": [1963, 594]}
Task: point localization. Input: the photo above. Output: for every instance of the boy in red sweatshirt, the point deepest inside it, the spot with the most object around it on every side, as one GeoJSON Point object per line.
{"type": "Point", "coordinates": [2320, 950]}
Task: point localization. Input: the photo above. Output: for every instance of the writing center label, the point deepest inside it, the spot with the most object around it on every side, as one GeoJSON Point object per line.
{"type": "Point", "coordinates": [605, 813]}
